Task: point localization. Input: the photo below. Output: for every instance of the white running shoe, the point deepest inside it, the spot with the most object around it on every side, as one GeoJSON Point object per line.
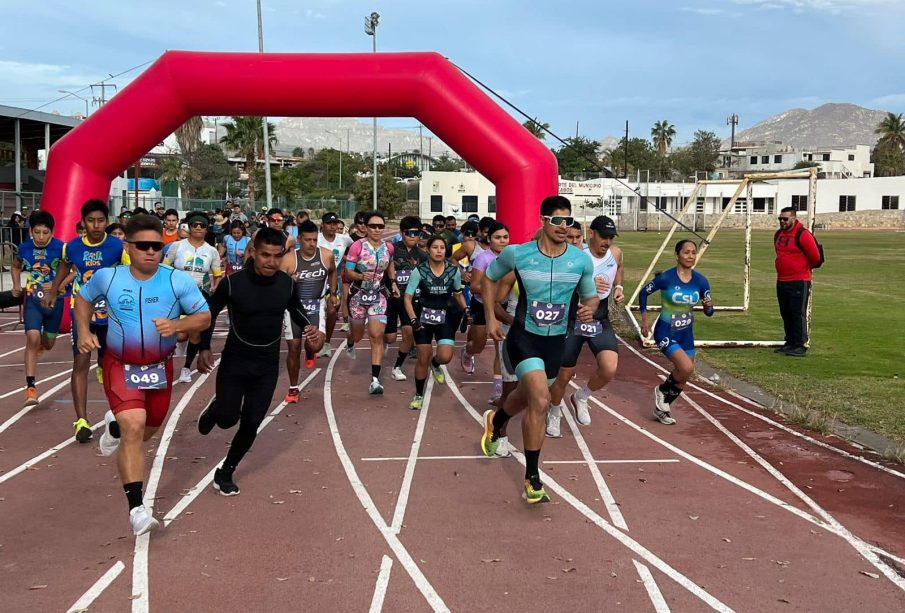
{"type": "Point", "coordinates": [109, 439]}
{"type": "Point", "coordinates": [375, 387]}
{"type": "Point", "coordinates": [554, 414]}
{"type": "Point", "coordinates": [502, 450]}
{"type": "Point", "coordinates": [326, 351]}
{"type": "Point", "coordinates": [580, 406]}
{"type": "Point", "coordinates": [350, 351]}
{"type": "Point", "coordinates": [142, 520]}
{"type": "Point", "coordinates": [185, 376]}
{"type": "Point", "coordinates": [661, 408]}
{"type": "Point", "coordinates": [398, 375]}
{"type": "Point", "coordinates": [180, 349]}
{"type": "Point", "coordinates": [467, 361]}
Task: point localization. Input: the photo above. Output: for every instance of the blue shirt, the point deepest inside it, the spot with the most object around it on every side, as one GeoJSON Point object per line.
{"type": "Point", "coordinates": [88, 259]}
{"type": "Point", "coordinates": [231, 246]}
{"type": "Point", "coordinates": [40, 264]}
{"type": "Point", "coordinates": [134, 305]}
{"type": "Point", "coordinates": [544, 279]}
{"type": "Point", "coordinates": [678, 297]}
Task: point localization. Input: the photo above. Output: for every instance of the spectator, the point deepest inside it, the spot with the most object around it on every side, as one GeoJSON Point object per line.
{"type": "Point", "coordinates": [451, 227]}
{"type": "Point", "coordinates": [17, 231]}
{"type": "Point", "coordinates": [796, 255]}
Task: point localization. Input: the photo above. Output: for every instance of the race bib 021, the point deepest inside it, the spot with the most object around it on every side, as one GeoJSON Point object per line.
{"type": "Point", "coordinates": [591, 328]}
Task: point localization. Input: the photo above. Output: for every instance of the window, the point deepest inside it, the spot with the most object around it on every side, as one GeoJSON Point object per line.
{"type": "Point", "coordinates": [851, 157]}
{"type": "Point", "coordinates": [740, 205]}
{"type": "Point", "coordinates": [699, 205]}
{"type": "Point", "coordinates": [469, 204]}
{"type": "Point", "coordinates": [799, 203]}
{"type": "Point", "coordinates": [754, 159]}
{"type": "Point", "coordinates": [846, 203]}
{"type": "Point", "coordinates": [760, 205]}
{"type": "Point", "coordinates": [642, 203]}
{"type": "Point", "coordinates": [777, 159]}
{"type": "Point", "coordinates": [826, 157]}
{"type": "Point", "coordinates": [890, 203]}
{"type": "Point", "coordinates": [765, 159]}
{"type": "Point", "coordinates": [436, 204]}
{"type": "Point", "coordinates": [491, 204]}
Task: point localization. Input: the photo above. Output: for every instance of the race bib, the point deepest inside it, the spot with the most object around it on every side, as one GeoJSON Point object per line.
{"type": "Point", "coordinates": [311, 306]}
{"type": "Point", "coordinates": [681, 321]}
{"type": "Point", "coordinates": [38, 293]}
{"type": "Point", "coordinates": [367, 297]}
{"type": "Point", "coordinates": [547, 314]}
{"type": "Point", "coordinates": [433, 317]}
{"type": "Point", "coordinates": [100, 304]}
{"type": "Point", "coordinates": [592, 328]}
{"type": "Point", "coordinates": [403, 276]}
{"type": "Point", "coordinates": [150, 377]}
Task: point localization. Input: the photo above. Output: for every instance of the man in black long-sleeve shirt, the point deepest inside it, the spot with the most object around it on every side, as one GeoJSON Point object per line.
{"type": "Point", "coordinates": [257, 297]}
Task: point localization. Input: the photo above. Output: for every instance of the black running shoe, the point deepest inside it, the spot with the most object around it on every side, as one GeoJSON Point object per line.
{"type": "Point", "coordinates": [206, 420]}
{"type": "Point", "coordinates": [223, 483]}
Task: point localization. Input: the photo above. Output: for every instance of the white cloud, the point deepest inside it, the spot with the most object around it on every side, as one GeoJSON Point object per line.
{"type": "Point", "coordinates": [42, 75]}
{"type": "Point", "coordinates": [895, 101]}
{"type": "Point", "coordinates": [707, 12]}
{"type": "Point", "coordinates": [834, 7]}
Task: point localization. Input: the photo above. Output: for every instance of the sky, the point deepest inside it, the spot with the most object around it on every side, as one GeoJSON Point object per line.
{"type": "Point", "coordinates": [578, 65]}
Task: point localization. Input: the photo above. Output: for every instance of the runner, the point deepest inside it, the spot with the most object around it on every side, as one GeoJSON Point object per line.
{"type": "Point", "coordinates": [464, 255]}
{"type": "Point", "coordinates": [332, 238]}
{"type": "Point", "coordinates": [86, 255]}
{"type": "Point", "coordinates": [145, 300]}
{"type": "Point", "coordinates": [359, 228]}
{"type": "Point", "coordinates": [598, 334]}
{"type": "Point", "coordinates": [170, 226]}
{"type": "Point", "coordinates": [257, 297]}
{"type": "Point", "coordinates": [40, 258]}
{"type": "Point", "coordinates": [435, 317]}
{"type": "Point", "coordinates": [681, 288]}
{"type": "Point", "coordinates": [275, 221]}
{"type": "Point", "coordinates": [232, 249]}
{"type": "Point", "coordinates": [366, 262]}
{"type": "Point", "coordinates": [574, 236]}
{"type": "Point", "coordinates": [477, 333]}
{"type": "Point", "coordinates": [548, 272]}
{"type": "Point", "coordinates": [202, 261]}
{"type": "Point", "coordinates": [406, 257]}
{"type": "Point", "coordinates": [313, 273]}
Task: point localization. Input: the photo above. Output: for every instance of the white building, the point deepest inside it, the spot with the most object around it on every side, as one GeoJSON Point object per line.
{"type": "Point", "coordinates": [834, 162]}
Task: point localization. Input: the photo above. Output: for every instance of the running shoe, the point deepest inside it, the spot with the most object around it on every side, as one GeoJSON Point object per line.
{"type": "Point", "coordinates": [31, 396]}
{"type": "Point", "coordinates": [416, 403]}
{"type": "Point", "coordinates": [413, 352]}
{"type": "Point", "coordinates": [350, 351]}
{"type": "Point", "coordinates": [180, 349]}
{"type": "Point", "coordinates": [142, 521]}
{"type": "Point", "coordinates": [206, 419]}
{"type": "Point", "coordinates": [326, 351]}
{"type": "Point", "coordinates": [467, 362]}
{"type": "Point", "coordinates": [223, 483]}
{"type": "Point", "coordinates": [580, 406]}
{"type": "Point", "coordinates": [109, 441]}
{"type": "Point", "coordinates": [534, 490]}
{"type": "Point", "coordinates": [310, 362]}
{"type": "Point", "coordinates": [375, 387]}
{"type": "Point", "coordinates": [488, 444]}
{"type": "Point", "coordinates": [782, 349]}
{"type": "Point", "coordinates": [83, 432]}
{"type": "Point", "coordinates": [502, 450]}
{"type": "Point", "coordinates": [661, 408]}
{"type": "Point", "coordinates": [554, 415]}
{"type": "Point", "coordinates": [497, 390]}
{"type": "Point", "coordinates": [439, 377]}
{"type": "Point", "coordinates": [397, 374]}
{"type": "Point", "coordinates": [344, 327]}
{"type": "Point", "coordinates": [292, 396]}
{"type": "Point", "coordinates": [99, 373]}
{"type": "Point", "coordinates": [185, 376]}
{"type": "Point", "coordinates": [664, 417]}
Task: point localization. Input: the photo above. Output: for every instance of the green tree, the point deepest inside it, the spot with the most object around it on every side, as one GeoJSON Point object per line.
{"type": "Point", "coordinates": [892, 131]}
{"type": "Point", "coordinates": [175, 168]}
{"type": "Point", "coordinates": [641, 156]}
{"type": "Point", "coordinates": [245, 135]}
{"type": "Point", "coordinates": [213, 173]}
{"type": "Point", "coordinates": [536, 128]}
{"type": "Point", "coordinates": [662, 134]}
{"type": "Point", "coordinates": [578, 155]}
{"type": "Point", "coordinates": [889, 160]}
{"type": "Point", "coordinates": [447, 164]}
{"type": "Point", "coordinates": [389, 192]}
{"type": "Point", "coordinates": [802, 164]}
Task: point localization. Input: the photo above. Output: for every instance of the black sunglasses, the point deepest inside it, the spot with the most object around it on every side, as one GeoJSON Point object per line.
{"type": "Point", "coordinates": [411, 233]}
{"type": "Point", "coordinates": [147, 245]}
{"type": "Point", "coordinates": [469, 234]}
{"type": "Point", "coordinates": [376, 226]}
{"type": "Point", "coordinates": [784, 218]}
{"type": "Point", "coordinates": [198, 224]}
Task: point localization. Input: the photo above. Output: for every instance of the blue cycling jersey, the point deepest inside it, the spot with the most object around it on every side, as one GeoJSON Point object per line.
{"type": "Point", "coordinates": [39, 264]}
{"type": "Point", "coordinates": [545, 284]}
{"type": "Point", "coordinates": [678, 297]}
{"type": "Point", "coordinates": [88, 259]}
{"type": "Point", "coordinates": [134, 304]}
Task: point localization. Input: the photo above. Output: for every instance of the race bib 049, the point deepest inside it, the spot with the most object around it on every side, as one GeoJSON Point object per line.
{"type": "Point", "coordinates": [150, 377]}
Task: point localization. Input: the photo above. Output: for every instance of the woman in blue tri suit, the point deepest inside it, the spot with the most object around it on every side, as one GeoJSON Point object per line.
{"type": "Point", "coordinates": [681, 288]}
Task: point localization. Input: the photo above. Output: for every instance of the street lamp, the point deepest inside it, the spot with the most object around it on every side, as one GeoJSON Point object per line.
{"type": "Point", "coordinates": [340, 137]}
{"type": "Point", "coordinates": [267, 184]}
{"type": "Point", "coordinates": [371, 30]}
{"type": "Point", "coordinates": [63, 91]}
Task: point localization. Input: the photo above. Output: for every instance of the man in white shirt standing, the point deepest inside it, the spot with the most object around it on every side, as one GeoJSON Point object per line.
{"type": "Point", "coordinates": [338, 243]}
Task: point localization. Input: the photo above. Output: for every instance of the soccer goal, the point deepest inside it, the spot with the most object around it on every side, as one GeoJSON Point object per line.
{"type": "Point", "coordinates": [745, 185]}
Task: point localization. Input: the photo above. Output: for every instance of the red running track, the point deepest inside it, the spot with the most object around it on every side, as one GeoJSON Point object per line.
{"type": "Point", "coordinates": [351, 502]}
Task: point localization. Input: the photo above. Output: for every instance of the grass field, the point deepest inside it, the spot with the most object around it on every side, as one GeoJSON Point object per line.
{"type": "Point", "coordinates": [855, 369]}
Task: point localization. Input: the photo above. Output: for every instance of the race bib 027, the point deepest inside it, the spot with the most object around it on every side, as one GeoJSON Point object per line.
{"type": "Point", "coordinates": [546, 313]}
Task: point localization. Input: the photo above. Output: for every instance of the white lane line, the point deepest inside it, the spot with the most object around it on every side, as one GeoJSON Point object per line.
{"type": "Point", "coordinates": [772, 422]}
{"type": "Point", "coordinates": [140, 587]}
{"type": "Point", "coordinates": [47, 394]}
{"type": "Point", "coordinates": [199, 487]}
{"type": "Point", "coordinates": [624, 539]}
{"type": "Point", "coordinates": [403, 499]}
{"type": "Point", "coordinates": [656, 597]}
{"type": "Point", "coordinates": [99, 586]}
{"type": "Point", "coordinates": [732, 479]}
{"type": "Point", "coordinates": [856, 543]}
{"type": "Point", "coordinates": [38, 458]}
{"type": "Point", "coordinates": [408, 563]}
{"type": "Point", "coordinates": [22, 348]}
{"type": "Point", "coordinates": [669, 461]}
{"type": "Point", "coordinates": [428, 457]}
{"type": "Point", "coordinates": [19, 390]}
{"type": "Point", "coordinates": [380, 590]}
{"type": "Point", "coordinates": [39, 364]}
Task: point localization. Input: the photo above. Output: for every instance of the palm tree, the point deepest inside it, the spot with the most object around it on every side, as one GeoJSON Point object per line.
{"type": "Point", "coordinates": [188, 136]}
{"type": "Point", "coordinates": [245, 136]}
{"type": "Point", "coordinates": [536, 128]}
{"type": "Point", "coordinates": [892, 131]}
{"type": "Point", "coordinates": [662, 134]}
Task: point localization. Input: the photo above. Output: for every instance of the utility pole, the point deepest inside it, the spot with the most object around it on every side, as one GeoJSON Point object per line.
{"type": "Point", "coordinates": [371, 30]}
{"type": "Point", "coordinates": [732, 120]}
{"type": "Point", "coordinates": [267, 184]}
{"type": "Point", "coordinates": [625, 162]}
{"type": "Point", "coordinates": [100, 101]}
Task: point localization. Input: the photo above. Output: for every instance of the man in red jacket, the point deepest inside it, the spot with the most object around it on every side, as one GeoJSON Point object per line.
{"type": "Point", "coordinates": [796, 255]}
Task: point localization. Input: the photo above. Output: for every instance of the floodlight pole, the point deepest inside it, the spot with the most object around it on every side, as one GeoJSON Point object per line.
{"type": "Point", "coordinates": [371, 30]}
{"type": "Point", "coordinates": [267, 184]}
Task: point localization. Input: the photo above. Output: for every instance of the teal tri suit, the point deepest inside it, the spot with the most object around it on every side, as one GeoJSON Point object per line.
{"type": "Point", "coordinates": [545, 287]}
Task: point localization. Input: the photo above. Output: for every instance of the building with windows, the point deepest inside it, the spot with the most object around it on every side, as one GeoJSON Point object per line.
{"type": "Point", "coordinates": [833, 162]}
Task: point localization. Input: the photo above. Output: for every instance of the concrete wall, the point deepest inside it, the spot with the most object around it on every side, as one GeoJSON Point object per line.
{"type": "Point", "coordinates": [856, 220]}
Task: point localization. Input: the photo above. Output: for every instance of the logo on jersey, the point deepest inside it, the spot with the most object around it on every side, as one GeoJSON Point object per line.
{"type": "Point", "coordinates": [126, 303]}
{"type": "Point", "coordinates": [679, 297]}
{"type": "Point", "coordinates": [308, 275]}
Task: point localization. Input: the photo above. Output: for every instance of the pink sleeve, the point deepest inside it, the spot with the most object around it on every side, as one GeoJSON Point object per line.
{"type": "Point", "coordinates": [391, 249]}
{"type": "Point", "coordinates": [354, 253]}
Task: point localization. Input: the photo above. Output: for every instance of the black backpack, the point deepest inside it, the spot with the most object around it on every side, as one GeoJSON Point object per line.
{"type": "Point", "coordinates": [819, 246]}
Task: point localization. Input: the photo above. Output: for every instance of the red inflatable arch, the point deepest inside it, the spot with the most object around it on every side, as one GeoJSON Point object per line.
{"type": "Point", "coordinates": [182, 84]}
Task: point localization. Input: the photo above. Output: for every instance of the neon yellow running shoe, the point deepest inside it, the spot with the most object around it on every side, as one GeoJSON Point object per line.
{"type": "Point", "coordinates": [488, 444]}
{"type": "Point", "coordinates": [416, 403]}
{"type": "Point", "coordinates": [534, 491]}
{"type": "Point", "coordinates": [439, 377]}
{"type": "Point", "coordinates": [99, 372]}
{"type": "Point", "coordinates": [83, 432]}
